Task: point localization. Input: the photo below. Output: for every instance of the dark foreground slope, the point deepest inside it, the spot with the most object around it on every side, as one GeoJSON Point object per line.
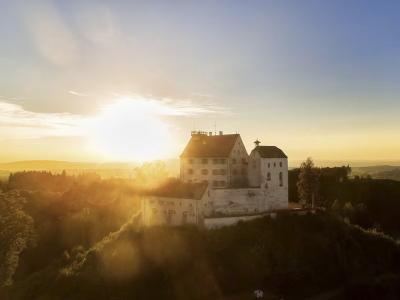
{"type": "Point", "coordinates": [291, 256]}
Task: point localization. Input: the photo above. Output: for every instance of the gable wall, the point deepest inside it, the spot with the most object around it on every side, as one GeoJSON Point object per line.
{"type": "Point", "coordinates": [254, 169]}
{"type": "Point", "coordinates": [238, 163]}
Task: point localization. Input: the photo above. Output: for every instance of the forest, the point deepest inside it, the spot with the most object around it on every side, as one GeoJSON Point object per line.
{"type": "Point", "coordinates": [79, 237]}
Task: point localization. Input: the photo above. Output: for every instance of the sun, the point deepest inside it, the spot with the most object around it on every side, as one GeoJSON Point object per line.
{"type": "Point", "coordinates": [130, 129]}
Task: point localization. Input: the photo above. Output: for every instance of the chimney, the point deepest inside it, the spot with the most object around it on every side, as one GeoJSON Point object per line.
{"type": "Point", "coordinates": [209, 133]}
{"type": "Point", "coordinates": [221, 133]}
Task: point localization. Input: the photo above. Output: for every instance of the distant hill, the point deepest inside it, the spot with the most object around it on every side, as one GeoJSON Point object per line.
{"type": "Point", "coordinates": [104, 169]}
{"type": "Point", "coordinates": [60, 165]}
{"type": "Point", "coordinates": [378, 172]}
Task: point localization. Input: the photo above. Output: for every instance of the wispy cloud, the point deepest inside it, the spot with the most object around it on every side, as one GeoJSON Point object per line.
{"type": "Point", "coordinates": [17, 123]}
{"type": "Point", "coordinates": [79, 94]}
{"type": "Point", "coordinates": [173, 107]}
{"type": "Point", "coordinates": [49, 32]}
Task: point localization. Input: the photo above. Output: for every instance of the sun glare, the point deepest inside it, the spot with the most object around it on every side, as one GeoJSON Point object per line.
{"type": "Point", "coordinates": [130, 129]}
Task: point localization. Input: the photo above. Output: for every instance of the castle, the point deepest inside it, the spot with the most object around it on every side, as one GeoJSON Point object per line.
{"type": "Point", "coordinates": [221, 183]}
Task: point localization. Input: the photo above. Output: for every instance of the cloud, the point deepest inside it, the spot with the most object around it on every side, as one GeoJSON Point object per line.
{"type": "Point", "coordinates": [50, 34]}
{"type": "Point", "coordinates": [79, 94]}
{"type": "Point", "coordinates": [18, 123]}
{"type": "Point", "coordinates": [171, 107]}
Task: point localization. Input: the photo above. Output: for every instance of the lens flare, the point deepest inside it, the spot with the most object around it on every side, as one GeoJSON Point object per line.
{"type": "Point", "coordinates": [131, 129]}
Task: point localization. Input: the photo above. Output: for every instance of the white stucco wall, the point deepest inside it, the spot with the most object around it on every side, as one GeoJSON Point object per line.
{"type": "Point", "coordinates": [170, 211]}
{"type": "Point", "coordinates": [196, 165]}
{"type": "Point", "coordinates": [277, 194]}
{"type": "Point", "coordinates": [238, 201]}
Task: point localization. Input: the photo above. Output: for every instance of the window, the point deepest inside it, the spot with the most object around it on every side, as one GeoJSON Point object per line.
{"type": "Point", "coordinates": [204, 171]}
{"type": "Point", "coordinates": [215, 183]}
{"type": "Point", "coordinates": [215, 171]}
{"type": "Point", "coordinates": [191, 161]}
{"type": "Point", "coordinates": [205, 181]}
{"type": "Point", "coordinates": [269, 165]}
{"type": "Point", "coordinates": [215, 161]}
{"type": "Point", "coordinates": [204, 161]}
{"type": "Point", "coordinates": [243, 171]}
{"type": "Point", "coordinates": [280, 164]}
{"type": "Point", "coordinates": [184, 217]}
{"type": "Point", "coordinates": [222, 172]}
{"type": "Point", "coordinates": [233, 160]}
{"type": "Point", "coordinates": [222, 183]}
{"type": "Point", "coordinates": [235, 172]}
{"type": "Point", "coordinates": [268, 176]}
{"type": "Point", "coordinates": [280, 179]}
{"type": "Point", "coordinates": [222, 161]}
{"type": "Point", "coordinates": [274, 164]}
{"type": "Point", "coordinates": [190, 171]}
{"type": "Point", "coordinates": [244, 161]}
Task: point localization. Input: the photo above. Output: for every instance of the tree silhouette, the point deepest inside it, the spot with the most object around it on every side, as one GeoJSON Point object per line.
{"type": "Point", "coordinates": [308, 183]}
{"type": "Point", "coordinates": [16, 234]}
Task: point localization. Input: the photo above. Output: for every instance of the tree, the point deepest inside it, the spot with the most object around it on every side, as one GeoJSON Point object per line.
{"type": "Point", "coordinates": [308, 183]}
{"type": "Point", "coordinates": [16, 234]}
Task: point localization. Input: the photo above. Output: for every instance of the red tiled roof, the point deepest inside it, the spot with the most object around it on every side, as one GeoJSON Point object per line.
{"type": "Point", "coordinates": [270, 152]}
{"type": "Point", "coordinates": [201, 145]}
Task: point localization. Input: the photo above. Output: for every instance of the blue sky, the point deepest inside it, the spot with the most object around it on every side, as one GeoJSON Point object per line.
{"type": "Point", "coordinates": [317, 78]}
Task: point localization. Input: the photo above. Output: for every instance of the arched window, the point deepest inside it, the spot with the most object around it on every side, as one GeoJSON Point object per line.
{"type": "Point", "coordinates": [268, 176]}
{"type": "Point", "coordinates": [280, 164]}
{"type": "Point", "coordinates": [280, 179]}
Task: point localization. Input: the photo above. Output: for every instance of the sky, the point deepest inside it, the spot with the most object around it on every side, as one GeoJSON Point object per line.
{"type": "Point", "coordinates": [129, 80]}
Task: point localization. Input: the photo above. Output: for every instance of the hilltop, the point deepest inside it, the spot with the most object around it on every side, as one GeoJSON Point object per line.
{"type": "Point", "coordinates": [292, 257]}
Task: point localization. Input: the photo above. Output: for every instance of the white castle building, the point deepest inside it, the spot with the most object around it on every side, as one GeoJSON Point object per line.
{"type": "Point", "coordinates": [221, 184]}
